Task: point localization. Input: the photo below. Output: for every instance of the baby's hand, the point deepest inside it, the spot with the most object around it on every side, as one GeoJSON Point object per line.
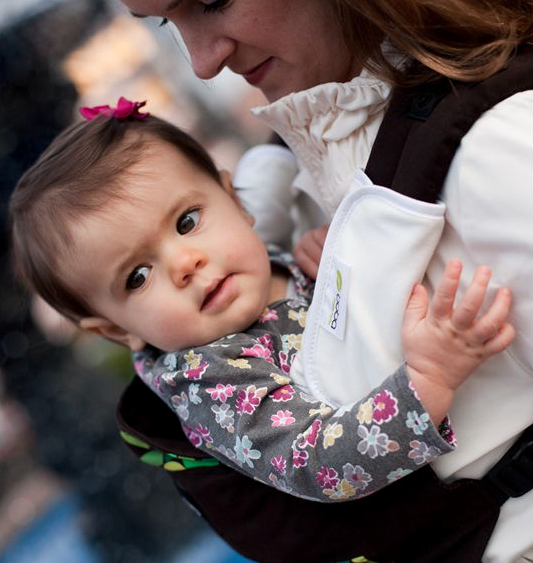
{"type": "Point", "coordinates": [308, 250]}
{"type": "Point", "coordinates": [444, 344]}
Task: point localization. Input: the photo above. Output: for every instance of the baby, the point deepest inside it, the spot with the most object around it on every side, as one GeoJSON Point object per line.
{"type": "Point", "coordinates": [125, 226]}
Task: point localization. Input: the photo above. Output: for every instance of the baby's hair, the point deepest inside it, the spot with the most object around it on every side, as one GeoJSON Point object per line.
{"type": "Point", "coordinates": [79, 173]}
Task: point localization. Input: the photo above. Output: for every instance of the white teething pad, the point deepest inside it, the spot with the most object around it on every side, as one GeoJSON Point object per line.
{"type": "Point", "coordinates": [379, 244]}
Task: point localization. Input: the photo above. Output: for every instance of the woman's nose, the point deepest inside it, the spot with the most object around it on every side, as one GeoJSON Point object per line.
{"type": "Point", "coordinates": [184, 263]}
{"type": "Point", "coordinates": [208, 49]}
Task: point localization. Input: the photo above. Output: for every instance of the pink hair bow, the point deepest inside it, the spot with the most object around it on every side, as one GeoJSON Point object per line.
{"type": "Point", "coordinates": [125, 108]}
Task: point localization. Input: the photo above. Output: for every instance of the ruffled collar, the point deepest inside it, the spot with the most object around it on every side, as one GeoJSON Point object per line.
{"type": "Point", "coordinates": [319, 122]}
{"type": "Point", "coordinates": [364, 94]}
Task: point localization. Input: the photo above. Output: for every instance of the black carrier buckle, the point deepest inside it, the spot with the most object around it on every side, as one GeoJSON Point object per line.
{"type": "Point", "coordinates": [513, 474]}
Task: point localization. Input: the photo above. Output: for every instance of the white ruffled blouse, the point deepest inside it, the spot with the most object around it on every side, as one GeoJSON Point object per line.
{"type": "Point", "coordinates": [330, 127]}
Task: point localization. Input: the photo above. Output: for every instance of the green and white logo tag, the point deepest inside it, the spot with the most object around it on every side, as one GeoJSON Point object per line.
{"type": "Point", "coordinates": [337, 296]}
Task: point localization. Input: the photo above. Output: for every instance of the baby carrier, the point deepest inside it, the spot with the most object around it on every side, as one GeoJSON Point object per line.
{"type": "Point", "coordinates": [415, 519]}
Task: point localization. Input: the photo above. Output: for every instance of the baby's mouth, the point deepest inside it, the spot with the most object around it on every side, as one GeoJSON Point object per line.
{"type": "Point", "coordinates": [213, 291]}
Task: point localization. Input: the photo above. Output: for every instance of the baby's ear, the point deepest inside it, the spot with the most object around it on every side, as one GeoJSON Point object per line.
{"type": "Point", "coordinates": [113, 332]}
{"type": "Point", "coordinates": [227, 184]}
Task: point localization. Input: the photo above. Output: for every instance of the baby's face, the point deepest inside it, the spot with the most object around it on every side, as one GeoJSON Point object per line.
{"type": "Point", "coordinates": [175, 261]}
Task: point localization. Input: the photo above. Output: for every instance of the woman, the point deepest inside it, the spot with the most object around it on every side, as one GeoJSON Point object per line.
{"type": "Point", "coordinates": [350, 53]}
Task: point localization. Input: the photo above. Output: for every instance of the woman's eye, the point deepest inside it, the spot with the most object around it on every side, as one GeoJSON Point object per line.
{"type": "Point", "coordinates": [188, 221]}
{"type": "Point", "coordinates": [138, 277]}
{"type": "Point", "coordinates": [215, 6]}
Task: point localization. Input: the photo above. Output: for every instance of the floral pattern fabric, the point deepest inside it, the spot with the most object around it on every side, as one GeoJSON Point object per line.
{"type": "Point", "coordinates": [236, 401]}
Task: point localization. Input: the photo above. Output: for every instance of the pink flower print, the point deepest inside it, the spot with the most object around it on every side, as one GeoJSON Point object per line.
{"type": "Point", "coordinates": [259, 351]}
{"type": "Point", "coordinates": [284, 362]}
{"type": "Point", "coordinates": [299, 458]}
{"type": "Point", "coordinates": [284, 394]}
{"type": "Point", "coordinates": [205, 433]}
{"type": "Point", "coordinates": [414, 391]}
{"type": "Point", "coordinates": [327, 478]}
{"type": "Point", "coordinates": [221, 392]}
{"type": "Point", "coordinates": [309, 437]}
{"type": "Point", "coordinates": [269, 315]}
{"type": "Point", "coordinates": [248, 400]}
{"type": "Point", "coordinates": [194, 438]}
{"type": "Point", "coordinates": [282, 418]}
{"type": "Point", "coordinates": [143, 368]}
{"type": "Point", "coordinates": [446, 432]}
{"type": "Point", "coordinates": [279, 464]}
{"type": "Point", "coordinates": [266, 341]}
{"type": "Point", "coordinates": [385, 407]}
{"type": "Point", "coordinates": [193, 368]}
{"type": "Point", "coordinates": [156, 382]}
{"type": "Point", "coordinates": [195, 373]}
{"type": "Point", "coordinates": [356, 476]}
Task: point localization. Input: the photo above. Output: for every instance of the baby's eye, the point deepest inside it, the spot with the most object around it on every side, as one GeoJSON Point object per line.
{"type": "Point", "coordinates": [138, 277]}
{"type": "Point", "coordinates": [187, 221]}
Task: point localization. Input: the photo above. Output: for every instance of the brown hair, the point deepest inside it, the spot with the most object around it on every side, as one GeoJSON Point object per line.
{"type": "Point", "coordinates": [467, 40]}
{"type": "Point", "coordinates": [77, 174]}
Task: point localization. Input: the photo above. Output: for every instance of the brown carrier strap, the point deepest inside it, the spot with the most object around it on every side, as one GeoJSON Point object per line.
{"type": "Point", "coordinates": [418, 519]}
{"type": "Point", "coordinates": [424, 126]}
{"type": "Point", "coordinates": [405, 522]}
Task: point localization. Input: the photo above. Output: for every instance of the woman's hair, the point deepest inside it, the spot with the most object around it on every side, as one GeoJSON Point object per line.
{"type": "Point", "coordinates": [79, 173]}
{"type": "Point", "coordinates": [466, 40]}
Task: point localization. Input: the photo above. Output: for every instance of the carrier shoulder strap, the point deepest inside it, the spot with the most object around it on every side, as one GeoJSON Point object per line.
{"type": "Point", "coordinates": [423, 127]}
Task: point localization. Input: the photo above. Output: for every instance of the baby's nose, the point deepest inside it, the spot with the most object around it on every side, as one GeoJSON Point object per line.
{"type": "Point", "coordinates": [184, 264]}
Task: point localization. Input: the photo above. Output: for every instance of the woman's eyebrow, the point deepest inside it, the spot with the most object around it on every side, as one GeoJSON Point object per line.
{"type": "Point", "coordinates": [170, 6]}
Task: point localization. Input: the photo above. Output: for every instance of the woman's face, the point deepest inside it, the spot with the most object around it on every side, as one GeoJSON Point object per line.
{"type": "Point", "coordinates": [279, 46]}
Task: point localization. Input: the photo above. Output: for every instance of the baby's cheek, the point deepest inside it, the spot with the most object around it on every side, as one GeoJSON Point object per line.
{"type": "Point", "coordinates": [164, 330]}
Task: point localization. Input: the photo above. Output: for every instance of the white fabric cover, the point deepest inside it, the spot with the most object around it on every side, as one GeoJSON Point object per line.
{"type": "Point", "coordinates": [385, 241]}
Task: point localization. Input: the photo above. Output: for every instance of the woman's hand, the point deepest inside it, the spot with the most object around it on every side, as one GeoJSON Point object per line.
{"type": "Point", "coordinates": [308, 250]}
{"type": "Point", "coordinates": [444, 344]}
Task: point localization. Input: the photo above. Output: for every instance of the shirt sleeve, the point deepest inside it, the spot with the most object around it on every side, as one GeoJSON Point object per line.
{"type": "Point", "coordinates": [236, 402]}
{"type": "Point", "coordinates": [263, 180]}
{"type": "Point", "coordinates": [490, 193]}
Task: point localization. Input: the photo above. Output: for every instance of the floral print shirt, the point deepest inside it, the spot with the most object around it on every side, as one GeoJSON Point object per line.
{"type": "Point", "coordinates": [236, 402]}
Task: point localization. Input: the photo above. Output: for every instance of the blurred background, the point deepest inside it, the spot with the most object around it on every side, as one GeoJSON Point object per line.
{"type": "Point", "coordinates": [70, 491]}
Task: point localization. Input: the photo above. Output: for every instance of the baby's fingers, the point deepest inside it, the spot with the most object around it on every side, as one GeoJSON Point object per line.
{"type": "Point", "coordinates": [490, 324]}
{"type": "Point", "coordinates": [468, 309]}
{"type": "Point", "coordinates": [444, 296]}
{"type": "Point", "coordinates": [500, 341]}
